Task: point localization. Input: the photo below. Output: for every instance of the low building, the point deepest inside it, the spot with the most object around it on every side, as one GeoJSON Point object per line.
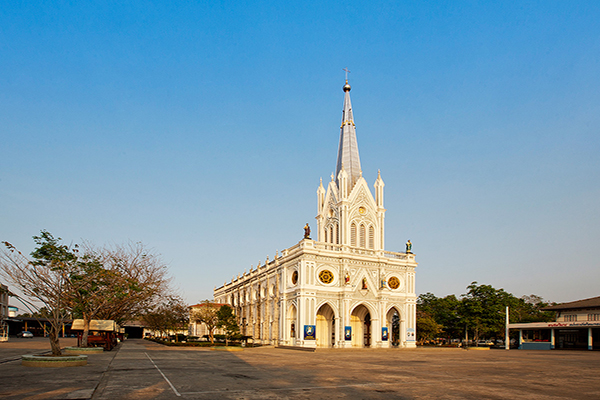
{"type": "Point", "coordinates": [577, 326]}
{"type": "Point", "coordinates": [3, 302]}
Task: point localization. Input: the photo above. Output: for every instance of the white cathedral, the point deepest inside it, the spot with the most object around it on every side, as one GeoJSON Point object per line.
{"type": "Point", "coordinates": [341, 290]}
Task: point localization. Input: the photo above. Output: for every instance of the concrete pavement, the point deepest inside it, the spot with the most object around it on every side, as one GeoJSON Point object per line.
{"type": "Point", "coordinates": [145, 370]}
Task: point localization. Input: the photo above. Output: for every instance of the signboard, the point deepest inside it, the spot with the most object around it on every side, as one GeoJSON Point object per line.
{"type": "Point", "coordinates": [384, 333]}
{"type": "Point", "coordinates": [310, 332]}
{"type": "Point", "coordinates": [410, 334]}
{"type": "Point", "coordinates": [105, 325]}
{"type": "Point", "coordinates": [348, 333]}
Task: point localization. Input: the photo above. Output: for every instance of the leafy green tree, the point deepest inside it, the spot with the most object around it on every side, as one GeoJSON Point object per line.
{"type": "Point", "coordinates": [482, 309]}
{"type": "Point", "coordinates": [427, 328]}
{"type": "Point", "coordinates": [529, 309]}
{"type": "Point", "coordinates": [43, 281]}
{"type": "Point", "coordinates": [228, 322]}
{"type": "Point", "coordinates": [445, 312]}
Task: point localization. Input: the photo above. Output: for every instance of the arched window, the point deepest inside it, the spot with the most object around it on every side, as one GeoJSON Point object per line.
{"type": "Point", "coordinates": [337, 233]}
{"type": "Point", "coordinates": [331, 234]}
{"type": "Point", "coordinates": [362, 236]}
{"type": "Point", "coordinates": [371, 237]}
{"type": "Point", "coordinates": [353, 234]}
{"type": "Point", "coordinates": [326, 239]}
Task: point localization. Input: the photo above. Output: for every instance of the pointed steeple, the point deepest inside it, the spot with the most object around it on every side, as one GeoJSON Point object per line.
{"type": "Point", "coordinates": [348, 148]}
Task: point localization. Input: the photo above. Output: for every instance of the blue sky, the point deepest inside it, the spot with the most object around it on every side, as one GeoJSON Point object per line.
{"type": "Point", "coordinates": [202, 129]}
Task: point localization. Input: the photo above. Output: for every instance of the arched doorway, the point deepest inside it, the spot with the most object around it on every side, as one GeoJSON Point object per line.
{"type": "Point", "coordinates": [291, 325]}
{"type": "Point", "coordinates": [393, 324]}
{"type": "Point", "coordinates": [360, 321]}
{"type": "Point", "coordinates": [325, 326]}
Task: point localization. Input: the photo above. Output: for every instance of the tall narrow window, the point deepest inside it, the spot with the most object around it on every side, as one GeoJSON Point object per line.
{"type": "Point", "coordinates": [362, 236]}
{"type": "Point", "coordinates": [337, 233]}
{"type": "Point", "coordinates": [371, 237]}
{"type": "Point", "coordinates": [353, 234]}
{"type": "Point", "coordinates": [331, 234]}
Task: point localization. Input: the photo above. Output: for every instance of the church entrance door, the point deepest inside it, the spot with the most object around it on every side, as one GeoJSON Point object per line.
{"type": "Point", "coordinates": [393, 324]}
{"type": "Point", "coordinates": [360, 321]}
{"type": "Point", "coordinates": [325, 326]}
{"type": "Point", "coordinates": [367, 330]}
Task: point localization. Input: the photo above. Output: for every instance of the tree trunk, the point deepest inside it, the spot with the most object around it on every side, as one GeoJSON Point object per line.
{"type": "Point", "coordinates": [86, 332]}
{"type": "Point", "coordinates": [54, 342]}
{"type": "Point", "coordinates": [212, 336]}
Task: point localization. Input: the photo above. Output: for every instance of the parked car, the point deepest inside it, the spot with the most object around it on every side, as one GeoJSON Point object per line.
{"type": "Point", "coordinates": [485, 343]}
{"type": "Point", "coordinates": [25, 334]}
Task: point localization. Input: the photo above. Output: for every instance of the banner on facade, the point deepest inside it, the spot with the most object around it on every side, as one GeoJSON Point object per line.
{"type": "Point", "coordinates": [384, 333]}
{"type": "Point", "coordinates": [410, 334]}
{"type": "Point", "coordinates": [348, 333]}
{"type": "Point", "coordinates": [310, 332]}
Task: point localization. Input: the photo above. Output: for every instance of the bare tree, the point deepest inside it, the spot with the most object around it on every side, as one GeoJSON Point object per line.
{"type": "Point", "coordinates": [43, 280]}
{"type": "Point", "coordinates": [172, 314]}
{"type": "Point", "coordinates": [138, 280]}
{"type": "Point", "coordinates": [207, 313]}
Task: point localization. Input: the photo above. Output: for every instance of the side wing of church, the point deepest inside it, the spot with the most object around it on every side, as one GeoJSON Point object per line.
{"type": "Point", "coordinates": [342, 289]}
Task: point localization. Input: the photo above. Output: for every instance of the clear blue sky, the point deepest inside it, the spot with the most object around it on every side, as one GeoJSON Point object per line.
{"type": "Point", "coordinates": [202, 129]}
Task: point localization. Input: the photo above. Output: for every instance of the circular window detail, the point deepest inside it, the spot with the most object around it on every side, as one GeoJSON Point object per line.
{"type": "Point", "coordinates": [294, 277]}
{"type": "Point", "coordinates": [362, 210]}
{"type": "Point", "coordinates": [394, 283]}
{"type": "Point", "coordinates": [326, 276]}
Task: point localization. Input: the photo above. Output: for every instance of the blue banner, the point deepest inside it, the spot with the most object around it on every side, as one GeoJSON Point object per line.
{"type": "Point", "coordinates": [310, 332]}
{"type": "Point", "coordinates": [384, 333]}
{"type": "Point", "coordinates": [348, 333]}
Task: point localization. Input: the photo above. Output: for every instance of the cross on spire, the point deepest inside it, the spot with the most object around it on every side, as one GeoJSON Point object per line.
{"type": "Point", "coordinates": [347, 70]}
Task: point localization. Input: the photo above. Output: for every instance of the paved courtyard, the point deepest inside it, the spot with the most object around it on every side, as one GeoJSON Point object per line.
{"type": "Point", "coordinates": [144, 370]}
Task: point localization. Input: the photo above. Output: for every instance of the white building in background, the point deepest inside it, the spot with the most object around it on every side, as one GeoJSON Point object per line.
{"type": "Point", "coordinates": [3, 302]}
{"type": "Point", "coordinates": [343, 289]}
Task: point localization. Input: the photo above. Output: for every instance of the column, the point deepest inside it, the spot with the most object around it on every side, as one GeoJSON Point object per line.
{"type": "Point", "coordinates": [590, 339]}
{"type": "Point", "coordinates": [520, 337]}
{"type": "Point", "coordinates": [552, 339]}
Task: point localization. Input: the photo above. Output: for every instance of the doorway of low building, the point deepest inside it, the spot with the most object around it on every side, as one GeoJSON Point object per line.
{"type": "Point", "coordinates": [325, 326]}
{"type": "Point", "coordinates": [360, 321]}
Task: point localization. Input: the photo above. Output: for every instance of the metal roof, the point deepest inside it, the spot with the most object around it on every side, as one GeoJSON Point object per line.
{"type": "Point", "coordinates": [593, 302]}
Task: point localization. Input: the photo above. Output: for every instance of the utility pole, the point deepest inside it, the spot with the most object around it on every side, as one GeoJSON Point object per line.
{"type": "Point", "coordinates": [506, 337]}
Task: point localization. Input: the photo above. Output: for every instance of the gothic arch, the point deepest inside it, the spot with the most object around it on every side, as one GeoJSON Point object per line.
{"type": "Point", "coordinates": [361, 321]}
{"type": "Point", "coordinates": [325, 325]}
{"type": "Point", "coordinates": [291, 323]}
{"type": "Point", "coordinates": [395, 327]}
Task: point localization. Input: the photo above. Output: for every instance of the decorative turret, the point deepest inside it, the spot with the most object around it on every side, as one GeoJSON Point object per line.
{"type": "Point", "coordinates": [379, 190]}
{"type": "Point", "coordinates": [320, 197]}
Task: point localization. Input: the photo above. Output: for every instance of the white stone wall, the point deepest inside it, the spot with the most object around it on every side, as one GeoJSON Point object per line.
{"type": "Point", "coordinates": [267, 301]}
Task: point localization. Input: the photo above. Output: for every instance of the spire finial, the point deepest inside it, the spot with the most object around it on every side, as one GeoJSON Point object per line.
{"type": "Point", "coordinates": [346, 87]}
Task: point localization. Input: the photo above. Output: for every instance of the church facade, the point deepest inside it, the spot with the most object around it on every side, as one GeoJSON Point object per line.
{"type": "Point", "coordinates": [342, 289]}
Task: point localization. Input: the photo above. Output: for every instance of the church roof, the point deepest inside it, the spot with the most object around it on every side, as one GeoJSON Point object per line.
{"type": "Point", "coordinates": [593, 302]}
{"type": "Point", "coordinates": [348, 149]}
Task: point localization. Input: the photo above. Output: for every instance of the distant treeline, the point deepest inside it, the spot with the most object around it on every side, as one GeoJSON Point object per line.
{"type": "Point", "coordinates": [480, 313]}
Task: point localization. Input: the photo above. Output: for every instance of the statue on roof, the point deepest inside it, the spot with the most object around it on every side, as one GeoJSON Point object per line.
{"type": "Point", "coordinates": [306, 231]}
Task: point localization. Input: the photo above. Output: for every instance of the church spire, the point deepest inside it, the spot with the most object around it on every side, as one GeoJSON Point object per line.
{"type": "Point", "coordinates": [348, 148]}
